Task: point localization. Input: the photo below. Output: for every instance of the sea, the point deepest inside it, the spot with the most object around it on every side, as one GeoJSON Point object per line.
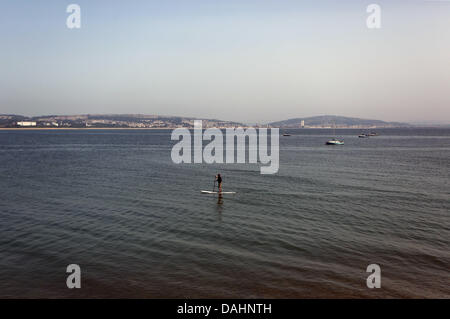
{"type": "Point", "coordinates": [113, 202]}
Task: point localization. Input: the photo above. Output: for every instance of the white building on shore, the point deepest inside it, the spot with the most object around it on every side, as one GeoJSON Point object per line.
{"type": "Point", "coordinates": [26, 124]}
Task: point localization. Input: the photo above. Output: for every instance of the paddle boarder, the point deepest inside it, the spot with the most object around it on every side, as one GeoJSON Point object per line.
{"type": "Point", "coordinates": [219, 182]}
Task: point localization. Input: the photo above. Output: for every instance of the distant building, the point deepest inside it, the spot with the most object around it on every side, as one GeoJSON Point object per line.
{"type": "Point", "coordinates": [49, 124]}
{"type": "Point", "coordinates": [302, 124]}
{"type": "Point", "coordinates": [26, 124]}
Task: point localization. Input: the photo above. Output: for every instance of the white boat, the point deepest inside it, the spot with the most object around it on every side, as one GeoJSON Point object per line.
{"type": "Point", "coordinates": [334, 142]}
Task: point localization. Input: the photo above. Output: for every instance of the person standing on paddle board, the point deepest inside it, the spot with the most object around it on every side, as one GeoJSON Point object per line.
{"type": "Point", "coordinates": [219, 182]}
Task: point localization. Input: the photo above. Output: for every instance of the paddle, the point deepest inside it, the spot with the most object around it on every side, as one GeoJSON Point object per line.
{"type": "Point", "coordinates": [214, 187]}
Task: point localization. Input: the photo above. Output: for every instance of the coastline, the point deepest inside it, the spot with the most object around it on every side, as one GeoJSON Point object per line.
{"type": "Point", "coordinates": [172, 128]}
{"type": "Point", "coordinates": [82, 128]}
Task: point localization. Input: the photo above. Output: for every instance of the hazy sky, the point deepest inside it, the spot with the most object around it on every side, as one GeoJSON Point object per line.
{"type": "Point", "coordinates": [249, 61]}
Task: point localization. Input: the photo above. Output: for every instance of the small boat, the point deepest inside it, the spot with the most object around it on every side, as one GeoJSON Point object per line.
{"type": "Point", "coordinates": [286, 134]}
{"type": "Point", "coordinates": [372, 134]}
{"type": "Point", "coordinates": [363, 135]}
{"type": "Point", "coordinates": [334, 142]}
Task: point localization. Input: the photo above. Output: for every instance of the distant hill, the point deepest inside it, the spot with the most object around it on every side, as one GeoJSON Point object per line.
{"type": "Point", "coordinates": [8, 119]}
{"type": "Point", "coordinates": [333, 120]}
{"type": "Point", "coordinates": [111, 120]}
{"type": "Point", "coordinates": [141, 120]}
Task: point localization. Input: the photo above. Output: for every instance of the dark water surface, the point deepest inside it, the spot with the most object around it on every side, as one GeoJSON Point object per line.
{"type": "Point", "coordinates": [113, 202]}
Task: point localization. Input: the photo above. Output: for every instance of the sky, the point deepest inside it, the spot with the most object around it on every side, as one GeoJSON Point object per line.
{"type": "Point", "coordinates": [252, 61]}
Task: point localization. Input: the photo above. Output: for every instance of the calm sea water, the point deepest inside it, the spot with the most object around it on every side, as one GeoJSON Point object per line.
{"type": "Point", "coordinates": [113, 202]}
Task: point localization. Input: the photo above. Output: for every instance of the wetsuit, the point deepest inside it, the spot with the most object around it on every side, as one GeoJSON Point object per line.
{"type": "Point", "coordinates": [219, 182]}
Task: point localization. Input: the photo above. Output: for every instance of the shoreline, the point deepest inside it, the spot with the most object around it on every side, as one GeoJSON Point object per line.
{"type": "Point", "coordinates": [173, 128]}
{"type": "Point", "coordinates": [82, 128]}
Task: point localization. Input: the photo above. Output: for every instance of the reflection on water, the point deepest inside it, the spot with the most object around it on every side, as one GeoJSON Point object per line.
{"type": "Point", "coordinates": [219, 199]}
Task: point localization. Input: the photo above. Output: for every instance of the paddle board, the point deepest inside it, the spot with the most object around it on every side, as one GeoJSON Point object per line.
{"type": "Point", "coordinates": [209, 192]}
